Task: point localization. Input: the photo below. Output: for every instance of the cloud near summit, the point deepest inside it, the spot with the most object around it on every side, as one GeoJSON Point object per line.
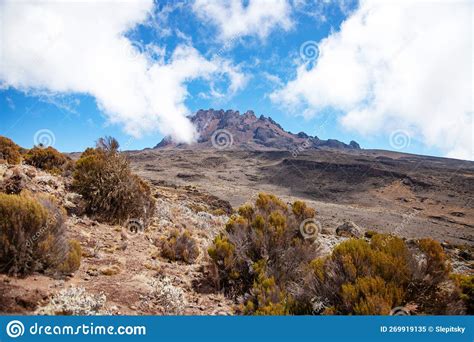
{"type": "Point", "coordinates": [80, 47]}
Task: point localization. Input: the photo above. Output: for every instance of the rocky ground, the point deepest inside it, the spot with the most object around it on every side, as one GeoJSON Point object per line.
{"type": "Point", "coordinates": [123, 266]}
{"type": "Point", "coordinates": [121, 270]}
{"type": "Point", "coordinates": [412, 196]}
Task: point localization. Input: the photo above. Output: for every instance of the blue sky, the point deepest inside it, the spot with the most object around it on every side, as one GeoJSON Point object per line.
{"type": "Point", "coordinates": [249, 59]}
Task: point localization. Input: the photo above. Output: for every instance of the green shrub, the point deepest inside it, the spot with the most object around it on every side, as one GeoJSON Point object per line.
{"type": "Point", "coordinates": [9, 151]}
{"type": "Point", "coordinates": [111, 191]}
{"type": "Point", "coordinates": [370, 296]}
{"type": "Point", "coordinates": [32, 237]}
{"type": "Point", "coordinates": [266, 233]}
{"type": "Point", "coordinates": [179, 246]}
{"type": "Point", "coordinates": [48, 159]}
{"type": "Point", "coordinates": [371, 278]}
{"type": "Point", "coordinates": [266, 297]}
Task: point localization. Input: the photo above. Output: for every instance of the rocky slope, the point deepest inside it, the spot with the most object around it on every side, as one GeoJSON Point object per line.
{"type": "Point", "coordinates": [413, 196]}
{"type": "Point", "coordinates": [122, 271]}
{"type": "Point", "coordinates": [246, 131]}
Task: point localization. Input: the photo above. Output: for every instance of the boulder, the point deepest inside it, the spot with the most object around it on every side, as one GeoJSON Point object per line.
{"type": "Point", "coordinates": [74, 204]}
{"type": "Point", "coordinates": [14, 181]}
{"type": "Point", "coordinates": [349, 229]}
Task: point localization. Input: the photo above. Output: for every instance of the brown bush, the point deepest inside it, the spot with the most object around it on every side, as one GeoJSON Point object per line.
{"type": "Point", "coordinates": [32, 237]}
{"type": "Point", "coordinates": [48, 159]}
{"type": "Point", "coordinates": [73, 258]}
{"type": "Point", "coordinates": [266, 234]}
{"type": "Point", "coordinates": [465, 284]}
{"type": "Point", "coordinates": [9, 151]}
{"type": "Point", "coordinates": [436, 267]}
{"type": "Point", "coordinates": [113, 194]}
{"type": "Point", "coordinates": [373, 277]}
{"type": "Point", "coordinates": [179, 246]}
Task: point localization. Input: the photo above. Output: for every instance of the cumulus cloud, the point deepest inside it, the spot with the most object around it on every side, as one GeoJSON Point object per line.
{"type": "Point", "coordinates": [234, 19]}
{"type": "Point", "coordinates": [80, 47]}
{"type": "Point", "coordinates": [396, 65]}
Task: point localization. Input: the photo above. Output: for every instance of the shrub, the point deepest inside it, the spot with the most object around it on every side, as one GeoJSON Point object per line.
{"type": "Point", "coordinates": [32, 237]}
{"type": "Point", "coordinates": [179, 247]}
{"type": "Point", "coordinates": [370, 296]}
{"type": "Point", "coordinates": [371, 278]}
{"type": "Point", "coordinates": [466, 286]}
{"type": "Point", "coordinates": [75, 301]}
{"type": "Point", "coordinates": [48, 159]}
{"type": "Point", "coordinates": [436, 266]}
{"type": "Point", "coordinates": [261, 252]}
{"type": "Point", "coordinates": [110, 270]}
{"type": "Point", "coordinates": [265, 297]}
{"type": "Point", "coordinates": [112, 193]}
{"type": "Point", "coordinates": [9, 151]}
{"type": "Point", "coordinates": [73, 258]}
{"type": "Point", "coordinates": [171, 298]}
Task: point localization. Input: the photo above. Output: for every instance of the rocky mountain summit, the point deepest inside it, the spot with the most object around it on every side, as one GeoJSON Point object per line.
{"type": "Point", "coordinates": [247, 131]}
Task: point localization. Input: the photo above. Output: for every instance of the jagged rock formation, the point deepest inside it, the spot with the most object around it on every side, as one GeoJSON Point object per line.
{"type": "Point", "coordinates": [252, 133]}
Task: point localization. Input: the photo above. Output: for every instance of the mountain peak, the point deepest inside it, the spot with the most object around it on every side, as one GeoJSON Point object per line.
{"type": "Point", "coordinates": [246, 131]}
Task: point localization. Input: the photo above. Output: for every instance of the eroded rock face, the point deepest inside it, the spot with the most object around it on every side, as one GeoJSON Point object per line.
{"type": "Point", "coordinates": [349, 229]}
{"type": "Point", "coordinates": [250, 132]}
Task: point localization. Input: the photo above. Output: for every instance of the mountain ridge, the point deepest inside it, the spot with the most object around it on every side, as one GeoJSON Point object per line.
{"type": "Point", "coordinates": [230, 129]}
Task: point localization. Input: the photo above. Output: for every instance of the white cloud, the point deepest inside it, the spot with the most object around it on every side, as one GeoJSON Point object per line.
{"type": "Point", "coordinates": [233, 19]}
{"type": "Point", "coordinates": [396, 65]}
{"type": "Point", "coordinates": [79, 47]}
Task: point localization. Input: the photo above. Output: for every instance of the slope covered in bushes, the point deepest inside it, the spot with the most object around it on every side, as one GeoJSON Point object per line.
{"type": "Point", "coordinates": [262, 258]}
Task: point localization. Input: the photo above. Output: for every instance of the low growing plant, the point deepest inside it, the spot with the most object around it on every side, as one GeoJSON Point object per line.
{"type": "Point", "coordinates": [32, 237]}
{"type": "Point", "coordinates": [9, 151]}
{"type": "Point", "coordinates": [179, 246]}
{"type": "Point", "coordinates": [48, 159]}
